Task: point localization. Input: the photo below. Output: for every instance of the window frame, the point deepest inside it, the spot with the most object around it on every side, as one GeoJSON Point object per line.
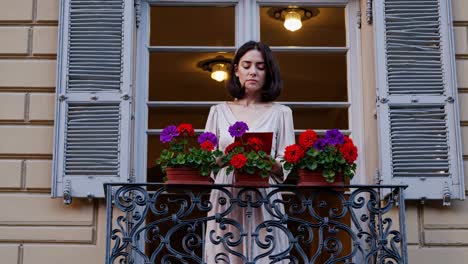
{"type": "Point", "coordinates": [247, 14]}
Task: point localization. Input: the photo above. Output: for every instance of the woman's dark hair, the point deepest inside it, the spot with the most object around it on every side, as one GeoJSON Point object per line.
{"type": "Point", "coordinates": [273, 82]}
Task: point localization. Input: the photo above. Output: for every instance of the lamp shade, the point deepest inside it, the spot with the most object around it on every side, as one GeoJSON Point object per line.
{"type": "Point", "coordinates": [219, 72]}
{"type": "Point", "coordinates": [292, 21]}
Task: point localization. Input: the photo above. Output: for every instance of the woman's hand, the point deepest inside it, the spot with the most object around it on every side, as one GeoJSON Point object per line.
{"type": "Point", "coordinates": [219, 161]}
{"type": "Point", "coordinates": [277, 168]}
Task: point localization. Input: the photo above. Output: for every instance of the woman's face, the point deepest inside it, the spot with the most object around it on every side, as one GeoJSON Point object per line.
{"type": "Point", "coordinates": [251, 71]}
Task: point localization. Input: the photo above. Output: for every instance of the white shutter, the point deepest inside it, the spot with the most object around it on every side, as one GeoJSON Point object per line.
{"type": "Point", "coordinates": [419, 129]}
{"type": "Point", "coordinates": [92, 123]}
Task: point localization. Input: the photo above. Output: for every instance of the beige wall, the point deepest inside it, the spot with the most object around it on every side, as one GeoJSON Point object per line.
{"type": "Point", "coordinates": [33, 227]}
{"type": "Point", "coordinates": [36, 229]}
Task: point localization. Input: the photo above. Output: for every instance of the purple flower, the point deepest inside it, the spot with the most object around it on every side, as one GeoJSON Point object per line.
{"type": "Point", "coordinates": [238, 129]}
{"type": "Point", "coordinates": [334, 137]}
{"type": "Point", "coordinates": [208, 136]}
{"type": "Point", "coordinates": [168, 134]}
{"type": "Point", "coordinates": [321, 144]}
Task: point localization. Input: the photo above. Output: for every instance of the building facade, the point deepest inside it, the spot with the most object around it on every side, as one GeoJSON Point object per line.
{"type": "Point", "coordinates": [34, 67]}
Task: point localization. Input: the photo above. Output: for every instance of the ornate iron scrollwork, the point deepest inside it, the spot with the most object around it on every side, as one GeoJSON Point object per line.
{"type": "Point", "coordinates": [155, 223]}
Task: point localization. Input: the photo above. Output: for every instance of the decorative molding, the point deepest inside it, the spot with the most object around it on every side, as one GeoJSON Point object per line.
{"type": "Point", "coordinates": [26, 156]}
{"type": "Point", "coordinates": [28, 89]}
{"type": "Point", "coordinates": [27, 123]}
{"type": "Point", "coordinates": [460, 23]}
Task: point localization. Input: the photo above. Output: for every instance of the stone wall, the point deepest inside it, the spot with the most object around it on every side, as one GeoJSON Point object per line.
{"type": "Point", "coordinates": [33, 227]}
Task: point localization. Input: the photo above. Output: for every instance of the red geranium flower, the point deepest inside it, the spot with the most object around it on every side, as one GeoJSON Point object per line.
{"type": "Point", "coordinates": [238, 161]}
{"type": "Point", "coordinates": [186, 129]}
{"type": "Point", "coordinates": [348, 140]}
{"type": "Point", "coordinates": [231, 146]}
{"type": "Point", "coordinates": [207, 145]}
{"type": "Point", "coordinates": [293, 153]}
{"type": "Point", "coordinates": [349, 152]}
{"type": "Point", "coordinates": [307, 138]}
{"type": "Point", "coordinates": [255, 143]}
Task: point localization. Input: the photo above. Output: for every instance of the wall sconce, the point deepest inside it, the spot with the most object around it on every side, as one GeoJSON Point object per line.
{"type": "Point", "coordinates": [218, 66]}
{"type": "Point", "coordinates": [292, 16]}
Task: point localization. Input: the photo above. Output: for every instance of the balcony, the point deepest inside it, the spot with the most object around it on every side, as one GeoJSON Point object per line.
{"type": "Point", "coordinates": [155, 223]}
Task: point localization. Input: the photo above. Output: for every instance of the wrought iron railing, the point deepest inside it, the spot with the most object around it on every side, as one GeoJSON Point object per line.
{"type": "Point", "coordinates": [155, 223]}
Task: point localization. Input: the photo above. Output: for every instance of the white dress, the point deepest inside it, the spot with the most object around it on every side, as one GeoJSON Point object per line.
{"type": "Point", "coordinates": [278, 119]}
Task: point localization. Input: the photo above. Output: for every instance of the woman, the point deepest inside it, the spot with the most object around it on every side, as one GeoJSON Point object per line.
{"type": "Point", "coordinates": [255, 83]}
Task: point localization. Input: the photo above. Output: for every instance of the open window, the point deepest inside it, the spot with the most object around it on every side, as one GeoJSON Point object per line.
{"type": "Point", "coordinates": [179, 38]}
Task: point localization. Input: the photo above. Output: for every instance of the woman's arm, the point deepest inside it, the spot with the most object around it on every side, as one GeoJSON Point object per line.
{"type": "Point", "coordinates": [285, 137]}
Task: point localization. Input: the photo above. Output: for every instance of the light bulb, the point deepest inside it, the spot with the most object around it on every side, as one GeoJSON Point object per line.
{"type": "Point", "coordinates": [292, 21]}
{"type": "Point", "coordinates": [219, 72]}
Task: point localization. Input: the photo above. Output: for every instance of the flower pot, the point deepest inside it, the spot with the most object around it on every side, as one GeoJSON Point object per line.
{"type": "Point", "coordinates": [186, 176]}
{"type": "Point", "coordinates": [250, 180]}
{"type": "Point", "coordinates": [310, 178]}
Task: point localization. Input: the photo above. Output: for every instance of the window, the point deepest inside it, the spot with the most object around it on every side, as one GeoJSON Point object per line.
{"type": "Point", "coordinates": [320, 63]}
{"type": "Point", "coordinates": [175, 37]}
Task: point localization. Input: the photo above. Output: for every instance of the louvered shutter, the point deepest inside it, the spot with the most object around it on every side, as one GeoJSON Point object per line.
{"type": "Point", "coordinates": [419, 129]}
{"type": "Point", "coordinates": [92, 123]}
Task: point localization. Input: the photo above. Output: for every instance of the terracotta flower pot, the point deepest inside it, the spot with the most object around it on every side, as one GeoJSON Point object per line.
{"type": "Point", "coordinates": [310, 178]}
{"type": "Point", "coordinates": [186, 176]}
{"type": "Point", "coordinates": [250, 180]}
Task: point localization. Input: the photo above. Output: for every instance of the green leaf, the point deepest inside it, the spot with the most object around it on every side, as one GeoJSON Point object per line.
{"type": "Point", "coordinates": [340, 160]}
{"type": "Point", "coordinates": [330, 180]}
{"type": "Point", "coordinates": [311, 166]}
{"type": "Point", "coordinates": [328, 173]}
{"type": "Point", "coordinates": [205, 171]}
{"type": "Point", "coordinates": [190, 158]}
{"type": "Point", "coordinates": [312, 152]}
{"type": "Point", "coordinates": [180, 159]}
{"type": "Point", "coordinates": [252, 156]}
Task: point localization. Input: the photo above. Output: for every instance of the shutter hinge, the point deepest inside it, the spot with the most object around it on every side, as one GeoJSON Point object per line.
{"type": "Point", "coordinates": [125, 97]}
{"type": "Point", "coordinates": [67, 189]}
{"type": "Point", "coordinates": [132, 178]}
{"type": "Point", "coordinates": [369, 12]}
{"type": "Point", "coordinates": [447, 196]}
{"type": "Point", "coordinates": [359, 19]}
{"type": "Point", "coordinates": [378, 177]}
{"type": "Point", "coordinates": [62, 97]}
{"type": "Point", "coordinates": [382, 100]}
{"type": "Point", "coordinates": [137, 5]}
